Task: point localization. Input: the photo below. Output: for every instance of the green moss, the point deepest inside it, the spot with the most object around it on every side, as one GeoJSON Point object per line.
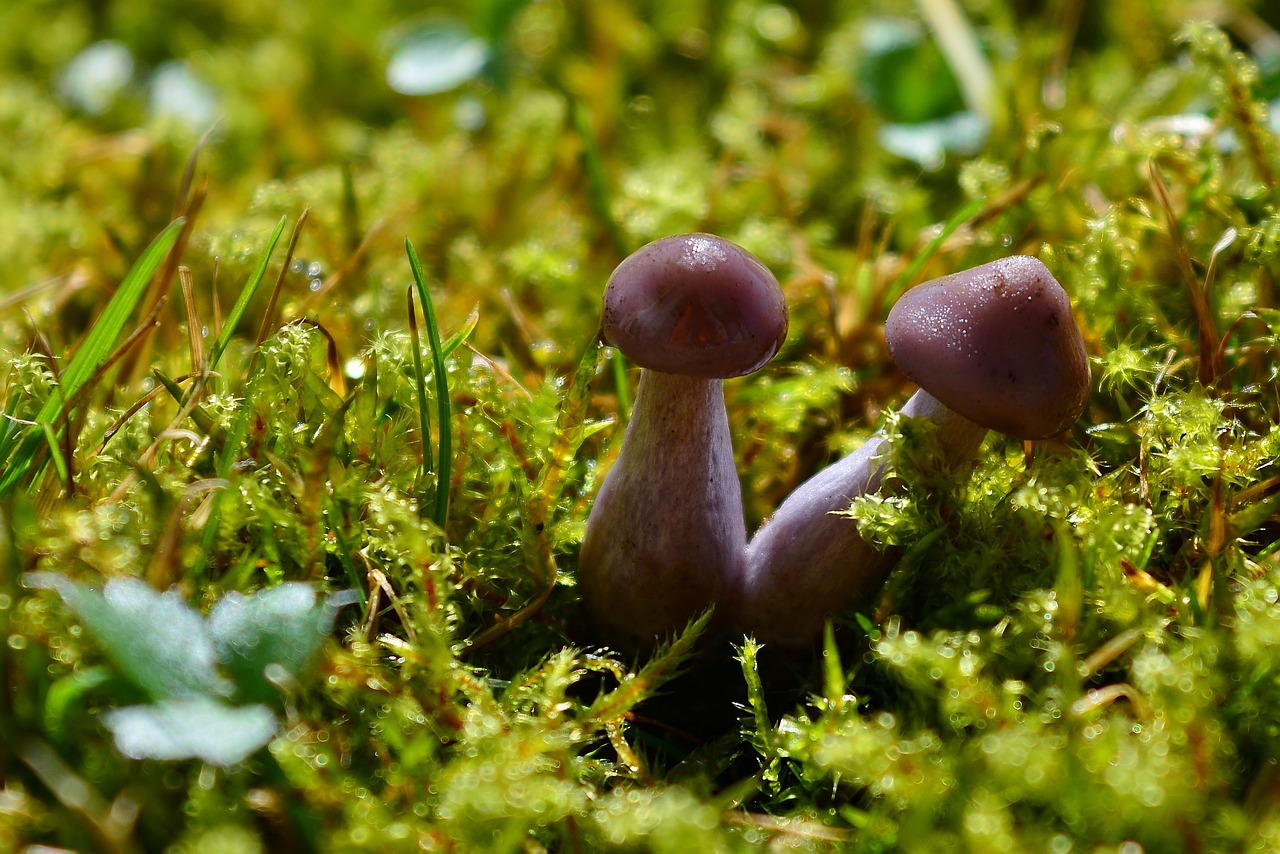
{"type": "Point", "coordinates": [1077, 650]}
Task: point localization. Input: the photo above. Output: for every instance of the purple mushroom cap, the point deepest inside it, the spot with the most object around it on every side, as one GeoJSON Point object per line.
{"type": "Point", "coordinates": [996, 344]}
{"type": "Point", "coordinates": [697, 305]}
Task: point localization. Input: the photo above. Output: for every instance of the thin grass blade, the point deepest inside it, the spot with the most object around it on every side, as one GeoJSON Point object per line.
{"type": "Point", "coordinates": [101, 340]}
{"type": "Point", "coordinates": [917, 264]}
{"type": "Point", "coordinates": [96, 348]}
{"type": "Point", "coordinates": [246, 295]}
{"type": "Point", "coordinates": [444, 466]}
{"type": "Point", "coordinates": [454, 341]}
{"type": "Point", "coordinates": [420, 378]}
{"type": "Point", "coordinates": [598, 192]}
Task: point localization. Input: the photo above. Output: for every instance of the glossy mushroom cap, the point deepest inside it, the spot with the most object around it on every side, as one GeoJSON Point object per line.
{"type": "Point", "coordinates": [697, 305]}
{"type": "Point", "coordinates": [997, 344]}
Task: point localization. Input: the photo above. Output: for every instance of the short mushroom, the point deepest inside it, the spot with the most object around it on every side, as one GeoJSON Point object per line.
{"type": "Point", "coordinates": [666, 538]}
{"type": "Point", "coordinates": [994, 347]}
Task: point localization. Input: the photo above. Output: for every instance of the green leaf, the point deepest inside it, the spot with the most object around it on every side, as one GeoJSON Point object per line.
{"type": "Point", "coordinates": [270, 635]}
{"type": "Point", "coordinates": [192, 728]}
{"type": "Point", "coordinates": [156, 639]}
{"type": "Point", "coordinates": [904, 74]}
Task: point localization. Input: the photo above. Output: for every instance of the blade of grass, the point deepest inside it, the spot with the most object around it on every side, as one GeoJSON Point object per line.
{"type": "Point", "coordinates": [214, 300]}
{"type": "Point", "coordinates": [268, 316]}
{"type": "Point", "coordinates": [344, 551]}
{"type": "Point", "coordinates": [419, 376]}
{"type": "Point", "coordinates": [454, 341]}
{"type": "Point", "coordinates": [444, 464]}
{"type": "Point", "coordinates": [100, 341]}
{"type": "Point", "coordinates": [20, 296]}
{"type": "Point", "coordinates": [10, 428]}
{"type": "Point", "coordinates": [917, 264]}
{"type": "Point", "coordinates": [94, 351]}
{"type": "Point", "coordinates": [598, 194]}
{"type": "Point", "coordinates": [246, 295]}
{"type": "Point", "coordinates": [158, 289]}
{"type": "Point", "coordinates": [56, 454]}
{"type": "Point", "coordinates": [1207, 337]}
{"type": "Point", "coordinates": [202, 418]}
{"type": "Point", "coordinates": [424, 413]}
{"type": "Point", "coordinates": [134, 409]}
{"type": "Point", "coordinates": [621, 385]}
{"type": "Point", "coordinates": [138, 334]}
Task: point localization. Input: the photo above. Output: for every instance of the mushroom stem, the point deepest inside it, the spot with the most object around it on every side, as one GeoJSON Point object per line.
{"type": "Point", "coordinates": [666, 537]}
{"type": "Point", "coordinates": [806, 563]}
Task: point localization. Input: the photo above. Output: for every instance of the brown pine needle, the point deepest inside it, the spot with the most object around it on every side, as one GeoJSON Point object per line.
{"type": "Point", "coordinates": [195, 339]}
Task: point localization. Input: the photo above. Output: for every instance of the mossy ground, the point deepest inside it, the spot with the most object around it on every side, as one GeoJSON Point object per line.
{"type": "Point", "coordinates": [1079, 649]}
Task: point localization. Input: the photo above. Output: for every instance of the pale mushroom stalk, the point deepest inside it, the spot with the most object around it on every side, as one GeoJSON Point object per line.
{"type": "Point", "coordinates": [995, 348]}
{"type": "Point", "coordinates": [795, 549]}
{"type": "Point", "coordinates": [666, 536]}
{"type": "Point", "coordinates": [666, 539]}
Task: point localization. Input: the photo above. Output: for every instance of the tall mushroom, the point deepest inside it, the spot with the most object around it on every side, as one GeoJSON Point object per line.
{"type": "Point", "coordinates": [994, 347]}
{"type": "Point", "coordinates": [665, 538]}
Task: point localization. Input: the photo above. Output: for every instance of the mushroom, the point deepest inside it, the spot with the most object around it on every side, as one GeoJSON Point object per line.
{"type": "Point", "coordinates": [994, 347]}
{"type": "Point", "coordinates": [666, 538]}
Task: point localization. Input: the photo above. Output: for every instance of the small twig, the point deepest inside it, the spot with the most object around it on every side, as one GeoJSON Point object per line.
{"type": "Point", "coordinates": [1097, 698]}
{"type": "Point", "coordinates": [1109, 652]}
{"type": "Point", "coordinates": [799, 828]}
{"type": "Point", "coordinates": [111, 823]}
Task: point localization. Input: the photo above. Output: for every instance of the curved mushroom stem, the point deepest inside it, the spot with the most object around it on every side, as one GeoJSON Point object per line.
{"type": "Point", "coordinates": [805, 563]}
{"type": "Point", "coordinates": [666, 537]}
